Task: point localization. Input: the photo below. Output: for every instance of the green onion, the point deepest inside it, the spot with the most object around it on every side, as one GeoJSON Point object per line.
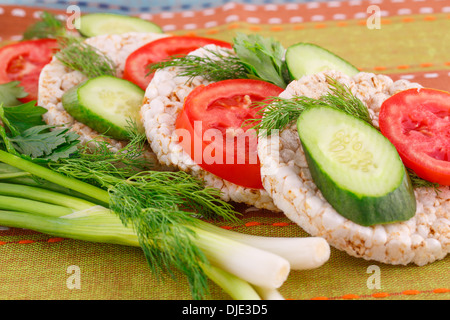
{"type": "Point", "coordinates": [269, 270]}
{"type": "Point", "coordinates": [268, 293]}
{"type": "Point", "coordinates": [98, 224]}
{"type": "Point", "coordinates": [54, 177]}
{"type": "Point", "coordinates": [246, 267]}
{"type": "Point", "coordinates": [43, 195]}
{"type": "Point", "coordinates": [302, 253]}
{"type": "Point", "coordinates": [234, 286]}
{"type": "Point", "coordinates": [62, 215]}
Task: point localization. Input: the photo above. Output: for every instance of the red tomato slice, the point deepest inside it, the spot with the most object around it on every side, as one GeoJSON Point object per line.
{"type": "Point", "coordinates": [23, 61]}
{"type": "Point", "coordinates": [211, 131]}
{"type": "Point", "coordinates": [161, 49]}
{"type": "Point", "coordinates": [417, 122]}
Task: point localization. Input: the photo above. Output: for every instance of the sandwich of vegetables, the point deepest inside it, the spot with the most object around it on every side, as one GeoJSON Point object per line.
{"type": "Point", "coordinates": [353, 157]}
{"type": "Point", "coordinates": [361, 161]}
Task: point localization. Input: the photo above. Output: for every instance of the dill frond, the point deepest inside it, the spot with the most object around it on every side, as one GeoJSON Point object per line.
{"type": "Point", "coordinates": [161, 228]}
{"type": "Point", "coordinates": [276, 113]}
{"type": "Point", "coordinates": [418, 182]}
{"type": "Point", "coordinates": [79, 55]}
{"type": "Point", "coordinates": [253, 57]}
{"type": "Point", "coordinates": [100, 164]}
{"type": "Point", "coordinates": [50, 26]}
{"type": "Point", "coordinates": [342, 98]}
{"type": "Point", "coordinates": [161, 206]}
{"type": "Point", "coordinates": [73, 51]}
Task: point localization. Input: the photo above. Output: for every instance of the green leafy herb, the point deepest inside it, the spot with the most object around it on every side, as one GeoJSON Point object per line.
{"type": "Point", "coordinates": [160, 206]}
{"type": "Point", "coordinates": [73, 52]}
{"type": "Point", "coordinates": [419, 182]}
{"type": "Point", "coordinates": [254, 57]}
{"type": "Point", "coordinates": [277, 112]}
{"type": "Point", "coordinates": [49, 26]}
{"type": "Point", "coordinates": [213, 67]}
{"type": "Point", "coordinates": [102, 165]}
{"type": "Point", "coordinates": [24, 116]}
{"type": "Point", "coordinates": [11, 92]}
{"type": "Point", "coordinates": [79, 55]}
{"type": "Point", "coordinates": [25, 134]}
{"type": "Point", "coordinates": [263, 57]}
{"type": "Point", "coordinates": [42, 144]}
{"type": "Point", "coordinates": [342, 98]}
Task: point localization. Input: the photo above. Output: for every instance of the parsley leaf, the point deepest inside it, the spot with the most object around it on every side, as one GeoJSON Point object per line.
{"type": "Point", "coordinates": [263, 57]}
{"type": "Point", "coordinates": [40, 142]}
{"type": "Point", "coordinates": [255, 57]}
{"type": "Point", "coordinates": [25, 134]}
{"type": "Point", "coordinates": [11, 92]}
{"type": "Point", "coordinates": [25, 116]}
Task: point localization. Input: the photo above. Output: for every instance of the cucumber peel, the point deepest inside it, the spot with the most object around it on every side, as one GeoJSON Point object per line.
{"type": "Point", "coordinates": [107, 104]}
{"type": "Point", "coordinates": [95, 24]}
{"type": "Point", "coordinates": [357, 170]}
{"type": "Point", "coordinates": [306, 58]}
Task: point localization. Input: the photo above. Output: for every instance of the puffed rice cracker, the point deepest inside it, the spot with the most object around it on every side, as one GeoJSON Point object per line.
{"type": "Point", "coordinates": [421, 240]}
{"type": "Point", "coordinates": [163, 101]}
{"type": "Point", "coordinates": [55, 79]}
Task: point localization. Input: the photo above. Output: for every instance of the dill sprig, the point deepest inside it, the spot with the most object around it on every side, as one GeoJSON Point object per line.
{"type": "Point", "coordinates": [161, 206]}
{"type": "Point", "coordinates": [49, 26]}
{"type": "Point", "coordinates": [100, 164]}
{"type": "Point", "coordinates": [216, 66]}
{"type": "Point", "coordinates": [276, 112]}
{"type": "Point", "coordinates": [341, 97]}
{"type": "Point", "coordinates": [79, 55]}
{"type": "Point", "coordinates": [252, 57]}
{"type": "Point", "coordinates": [418, 182]}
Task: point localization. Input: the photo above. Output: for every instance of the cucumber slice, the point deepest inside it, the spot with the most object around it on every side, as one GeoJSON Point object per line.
{"type": "Point", "coordinates": [95, 24]}
{"type": "Point", "coordinates": [358, 170]}
{"type": "Point", "coordinates": [306, 58]}
{"type": "Point", "coordinates": [106, 104]}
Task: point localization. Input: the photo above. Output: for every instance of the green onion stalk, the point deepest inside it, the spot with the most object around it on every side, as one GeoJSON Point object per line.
{"type": "Point", "coordinates": [246, 267]}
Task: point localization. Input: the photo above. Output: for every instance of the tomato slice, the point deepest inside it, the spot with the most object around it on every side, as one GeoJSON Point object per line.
{"type": "Point", "coordinates": [161, 49]}
{"type": "Point", "coordinates": [23, 61]}
{"type": "Point", "coordinates": [212, 131]}
{"type": "Point", "coordinates": [417, 122]}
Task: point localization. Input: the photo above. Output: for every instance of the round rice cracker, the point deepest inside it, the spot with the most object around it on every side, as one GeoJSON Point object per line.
{"type": "Point", "coordinates": [421, 240]}
{"type": "Point", "coordinates": [55, 79]}
{"type": "Point", "coordinates": [163, 101]}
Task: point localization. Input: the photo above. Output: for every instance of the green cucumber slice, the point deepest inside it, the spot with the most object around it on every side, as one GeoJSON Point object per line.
{"type": "Point", "coordinates": [95, 24]}
{"type": "Point", "coordinates": [106, 104]}
{"type": "Point", "coordinates": [306, 58]}
{"type": "Point", "coordinates": [358, 170]}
